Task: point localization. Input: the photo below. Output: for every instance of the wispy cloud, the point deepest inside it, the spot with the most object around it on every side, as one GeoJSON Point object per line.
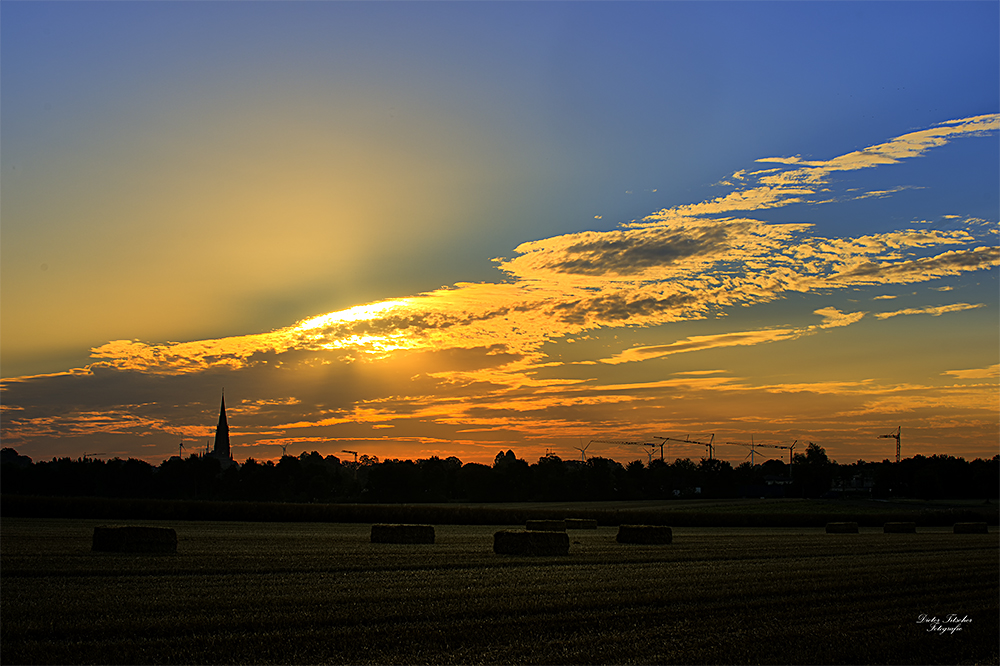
{"type": "Point", "coordinates": [832, 318]}
{"type": "Point", "coordinates": [701, 343]}
{"type": "Point", "coordinates": [991, 372]}
{"type": "Point", "coordinates": [772, 188]}
{"type": "Point", "coordinates": [933, 310]}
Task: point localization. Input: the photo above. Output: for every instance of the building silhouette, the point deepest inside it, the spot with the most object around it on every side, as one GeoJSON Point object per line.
{"type": "Point", "coordinates": [221, 450]}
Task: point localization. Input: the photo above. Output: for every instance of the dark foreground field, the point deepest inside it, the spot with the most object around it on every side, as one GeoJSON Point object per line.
{"type": "Point", "coordinates": [322, 593]}
{"type": "Point", "coordinates": [686, 513]}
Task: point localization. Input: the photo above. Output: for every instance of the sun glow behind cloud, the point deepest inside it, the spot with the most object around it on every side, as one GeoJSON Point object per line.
{"type": "Point", "coordinates": [474, 357]}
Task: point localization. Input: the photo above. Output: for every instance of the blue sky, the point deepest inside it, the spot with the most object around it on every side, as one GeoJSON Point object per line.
{"type": "Point", "coordinates": [185, 172]}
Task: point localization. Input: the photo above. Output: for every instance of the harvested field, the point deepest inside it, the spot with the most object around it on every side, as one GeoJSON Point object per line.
{"type": "Point", "coordinates": [970, 528]}
{"type": "Point", "coordinates": [323, 593]}
{"type": "Point", "coordinates": [900, 528]}
{"type": "Point", "coordinates": [581, 523]}
{"type": "Point", "coordinates": [644, 534]}
{"type": "Point", "coordinates": [678, 513]}
{"type": "Point", "coordinates": [134, 539]}
{"type": "Point", "coordinates": [842, 528]}
{"type": "Point", "coordinates": [507, 542]}
{"type": "Point", "coordinates": [402, 534]}
{"type": "Point", "coordinates": [546, 525]}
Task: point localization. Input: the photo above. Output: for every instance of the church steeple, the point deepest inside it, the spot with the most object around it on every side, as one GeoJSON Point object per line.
{"type": "Point", "coordinates": [221, 449]}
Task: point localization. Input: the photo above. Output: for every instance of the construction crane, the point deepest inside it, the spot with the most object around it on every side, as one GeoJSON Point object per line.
{"type": "Point", "coordinates": [622, 441]}
{"type": "Point", "coordinates": [754, 445]}
{"type": "Point", "coordinates": [710, 444]}
{"type": "Point", "coordinates": [895, 436]}
{"type": "Point", "coordinates": [753, 448]}
{"type": "Point", "coordinates": [180, 449]}
{"type": "Point", "coordinates": [355, 455]}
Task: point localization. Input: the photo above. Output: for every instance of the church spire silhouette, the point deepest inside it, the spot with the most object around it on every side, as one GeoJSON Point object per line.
{"type": "Point", "coordinates": [221, 449]}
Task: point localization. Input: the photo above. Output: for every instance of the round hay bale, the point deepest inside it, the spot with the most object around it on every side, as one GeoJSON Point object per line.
{"type": "Point", "coordinates": [644, 534]}
{"type": "Point", "coordinates": [971, 528]}
{"type": "Point", "coordinates": [509, 542]}
{"type": "Point", "coordinates": [842, 528]}
{"type": "Point", "coordinates": [134, 539]}
{"type": "Point", "coordinates": [402, 534]}
{"type": "Point", "coordinates": [581, 523]}
{"type": "Point", "coordinates": [900, 528]}
{"type": "Point", "coordinates": [545, 525]}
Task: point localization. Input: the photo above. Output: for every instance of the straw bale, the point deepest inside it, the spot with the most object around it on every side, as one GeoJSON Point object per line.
{"type": "Point", "coordinates": [134, 539]}
{"type": "Point", "coordinates": [546, 525]}
{"type": "Point", "coordinates": [509, 542]}
{"type": "Point", "coordinates": [402, 534]}
{"type": "Point", "coordinates": [842, 528]}
{"type": "Point", "coordinates": [900, 528]}
{"type": "Point", "coordinates": [644, 534]}
{"type": "Point", "coordinates": [971, 528]}
{"type": "Point", "coordinates": [581, 523]}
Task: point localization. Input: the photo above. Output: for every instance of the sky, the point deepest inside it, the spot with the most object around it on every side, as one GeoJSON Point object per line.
{"type": "Point", "coordinates": [451, 229]}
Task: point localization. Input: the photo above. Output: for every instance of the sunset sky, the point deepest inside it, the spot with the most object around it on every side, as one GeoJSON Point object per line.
{"type": "Point", "coordinates": [417, 229]}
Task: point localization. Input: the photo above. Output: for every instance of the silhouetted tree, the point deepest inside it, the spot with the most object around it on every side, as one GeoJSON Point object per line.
{"type": "Point", "coordinates": [478, 483]}
{"type": "Point", "coordinates": [984, 478]}
{"type": "Point", "coordinates": [549, 479]}
{"type": "Point", "coordinates": [438, 479]}
{"type": "Point", "coordinates": [515, 477]}
{"type": "Point", "coordinates": [717, 478]}
{"type": "Point", "coordinates": [600, 482]}
{"type": "Point", "coordinates": [660, 480]}
{"type": "Point", "coordinates": [394, 481]}
{"type": "Point", "coordinates": [16, 473]}
{"type": "Point", "coordinates": [190, 478]}
{"type": "Point", "coordinates": [813, 471]}
{"type": "Point", "coordinates": [257, 482]}
{"type": "Point", "coordinates": [638, 483]}
{"type": "Point", "coordinates": [128, 478]}
{"type": "Point", "coordinates": [310, 477]}
{"type": "Point", "coordinates": [684, 477]}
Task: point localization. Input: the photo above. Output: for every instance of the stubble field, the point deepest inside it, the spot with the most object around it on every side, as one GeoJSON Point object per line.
{"type": "Point", "coordinates": [302, 593]}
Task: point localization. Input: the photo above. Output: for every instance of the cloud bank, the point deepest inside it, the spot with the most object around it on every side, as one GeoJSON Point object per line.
{"type": "Point", "coordinates": [476, 354]}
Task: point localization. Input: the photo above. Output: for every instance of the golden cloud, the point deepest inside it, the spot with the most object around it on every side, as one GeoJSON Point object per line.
{"type": "Point", "coordinates": [935, 311]}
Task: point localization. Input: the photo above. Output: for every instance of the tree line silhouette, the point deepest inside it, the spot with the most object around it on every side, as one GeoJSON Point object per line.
{"type": "Point", "coordinates": [311, 477]}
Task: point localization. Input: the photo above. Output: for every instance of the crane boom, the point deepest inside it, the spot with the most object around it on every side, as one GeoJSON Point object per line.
{"type": "Point", "coordinates": [754, 445]}
{"type": "Point", "coordinates": [613, 441]}
{"type": "Point", "coordinates": [622, 441]}
{"type": "Point", "coordinates": [709, 444]}
{"type": "Point", "coordinates": [895, 436]}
